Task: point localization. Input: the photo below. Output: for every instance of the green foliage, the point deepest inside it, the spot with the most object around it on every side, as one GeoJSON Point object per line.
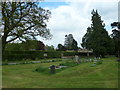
{"type": "Point", "coordinates": [14, 46]}
{"type": "Point", "coordinates": [23, 21]}
{"type": "Point", "coordinates": [30, 45]}
{"type": "Point", "coordinates": [26, 45]}
{"type": "Point", "coordinates": [32, 55]}
{"type": "Point", "coordinates": [54, 54]}
{"type": "Point", "coordinates": [61, 47]}
{"type": "Point", "coordinates": [70, 42]}
{"type": "Point", "coordinates": [97, 37]}
{"type": "Point", "coordinates": [20, 55]}
{"type": "Point", "coordinates": [50, 48]}
{"type": "Point", "coordinates": [116, 38]}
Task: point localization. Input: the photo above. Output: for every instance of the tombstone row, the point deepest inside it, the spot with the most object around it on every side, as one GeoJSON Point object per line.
{"type": "Point", "coordinates": [95, 60]}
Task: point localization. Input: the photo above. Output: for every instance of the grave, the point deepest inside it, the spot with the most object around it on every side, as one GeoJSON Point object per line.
{"type": "Point", "coordinates": [36, 62]}
{"type": "Point", "coordinates": [52, 69]}
{"type": "Point", "coordinates": [77, 59]}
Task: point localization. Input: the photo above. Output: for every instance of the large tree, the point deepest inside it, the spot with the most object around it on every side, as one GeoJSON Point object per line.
{"type": "Point", "coordinates": [70, 43]}
{"type": "Point", "coordinates": [23, 21]}
{"type": "Point", "coordinates": [116, 37]}
{"type": "Point", "coordinates": [97, 37]}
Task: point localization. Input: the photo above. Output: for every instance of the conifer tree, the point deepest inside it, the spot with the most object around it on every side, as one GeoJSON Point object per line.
{"type": "Point", "coordinates": [97, 37]}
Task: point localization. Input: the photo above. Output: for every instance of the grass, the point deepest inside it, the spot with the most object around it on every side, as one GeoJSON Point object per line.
{"type": "Point", "coordinates": [81, 76]}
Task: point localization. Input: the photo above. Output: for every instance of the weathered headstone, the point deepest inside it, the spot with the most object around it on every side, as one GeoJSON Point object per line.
{"type": "Point", "coordinates": [95, 61]}
{"type": "Point", "coordinates": [77, 59]}
{"type": "Point", "coordinates": [45, 54]}
{"type": "Point", "coordinates": [90, 60]}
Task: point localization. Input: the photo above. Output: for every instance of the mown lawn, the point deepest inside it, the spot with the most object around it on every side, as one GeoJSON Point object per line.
{"type": "Point", "coordinates": [82, 76]}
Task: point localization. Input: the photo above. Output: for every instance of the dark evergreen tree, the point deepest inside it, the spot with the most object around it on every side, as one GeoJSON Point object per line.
{"type": "Point", "coordinates": [74, 45]}
{"type": "Point", "coordinates": [86, 40]}
{"type": "Point", "coordinates": [61, 47]}
{"type": "Point", "coordinates": [97, 37]}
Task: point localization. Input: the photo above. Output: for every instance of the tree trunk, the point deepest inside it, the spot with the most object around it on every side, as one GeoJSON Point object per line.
{"type": "Point", "coordinates": [4, 43]}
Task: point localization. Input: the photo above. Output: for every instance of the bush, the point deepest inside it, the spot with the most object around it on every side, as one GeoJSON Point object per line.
{"type": "Point", "coordinates": [32, 55]}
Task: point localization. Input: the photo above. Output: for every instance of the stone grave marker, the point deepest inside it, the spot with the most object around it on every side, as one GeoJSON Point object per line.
{"type": "Point", "coordinates": [77, 59]}
{"type": "Point", "coordinates": [52, 69]}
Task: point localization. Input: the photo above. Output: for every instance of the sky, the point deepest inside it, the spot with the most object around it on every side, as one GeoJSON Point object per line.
{"type": "Point", "coordinates": [73, 17]}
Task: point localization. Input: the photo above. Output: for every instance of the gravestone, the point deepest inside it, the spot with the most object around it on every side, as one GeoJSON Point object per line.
{"type": "Point", "coordinates": [90, 60]}
{"type": "Point", "coordinates": [95, 61]}
{"type": "Point", "coordinates": [52, 69]}
{"type": "Point", "coordinates": [45, 55]}
{"type": "Point", "coordinates": [77, 59]}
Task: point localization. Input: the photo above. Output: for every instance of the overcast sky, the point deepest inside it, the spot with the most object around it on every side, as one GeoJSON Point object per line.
{"type": "Point", "coordinates": [74, 17]}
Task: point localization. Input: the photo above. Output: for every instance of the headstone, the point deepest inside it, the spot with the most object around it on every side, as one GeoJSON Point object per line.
{"type": "Point", "coordinates": [90, 60]}
{"type": "Point", "coordinates": [62, 55]}
{"type": "Point", "coordinates": [77, 59]}
{"type": "Point", "coordinates": [95, 61]}
{"type": "Point", "coordinates": [52, 69]}
{"type": "Point", "coordinates": [45, 54]}
{"type": "Point", "coordinates": [88, 54]}
{"type": "Point", "coordinates": [99, 58]}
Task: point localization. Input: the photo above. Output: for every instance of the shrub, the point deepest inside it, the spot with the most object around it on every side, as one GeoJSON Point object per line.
{"type": "Point", "coordinates": [32, 55]}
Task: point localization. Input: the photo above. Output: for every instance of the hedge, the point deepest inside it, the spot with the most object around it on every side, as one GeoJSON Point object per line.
{"type": "Point", "coordinates": [20, 55]}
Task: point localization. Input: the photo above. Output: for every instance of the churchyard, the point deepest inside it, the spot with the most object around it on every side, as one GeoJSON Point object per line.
{"type": "Point", "coordinates": [67, 73]}
{"type": "Point", "coordinates": [68, 60]}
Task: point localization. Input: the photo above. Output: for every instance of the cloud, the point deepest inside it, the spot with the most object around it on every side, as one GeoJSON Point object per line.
{"type": "Point", "coordinates": [75, 17]}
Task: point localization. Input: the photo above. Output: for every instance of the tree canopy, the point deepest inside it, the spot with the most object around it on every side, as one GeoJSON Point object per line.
{"type": "Point", "coordinates": [61, 47]}
{"type": "Point", "coordinates": [27, 45]}
{"type": "Point", "coordinates": [116, 37]}
{"type": "Point", "coordinates": [23, 21]}
{"type": "Point", "coordinates": [97, 37]}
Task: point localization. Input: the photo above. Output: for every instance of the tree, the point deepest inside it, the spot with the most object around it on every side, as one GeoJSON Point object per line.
{"type": "Point", "coordinates": [50, 48]}
{"type": "Point", "coordinates": [61, 47]}
{"type": "Point", "coordinates": [74, 45]}
{"type": "Point", "coordinates": [86, 40]}
{"type": "Point", "coordinates": [33, 45]}
{"type": "Point", "coordinates": [41, 46]}
{"type": "Point", "coordinates": [116, 37]}
{"type": "Point", "coordinates": [23, 21]}
{"type": "Point", "coordinates": [97, 37]}
{"type": "Point", "coordinates": [26, 45]}
{"type": "Point", "coordinates": [14, 46]}
{"type": "Point", "coordinates": [70, 43]}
